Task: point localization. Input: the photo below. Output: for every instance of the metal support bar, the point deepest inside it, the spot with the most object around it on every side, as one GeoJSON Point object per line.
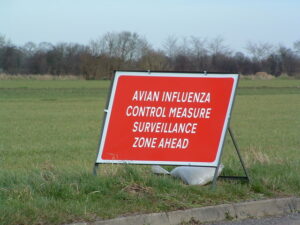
{"type": "Point", "coordinates": [95, 169]}
{"type": "Point", "coordinates": [238, 153]}
{"type": "Point", "coordinates": [246, 178]}
{"type": "Point", "coordinates": [214, 182]}
{"type": "Point", "coordinates": [234, 177]}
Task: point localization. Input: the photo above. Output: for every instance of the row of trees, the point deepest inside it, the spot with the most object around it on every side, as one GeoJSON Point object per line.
{"type": "Point", "coordinates": [127, 50]}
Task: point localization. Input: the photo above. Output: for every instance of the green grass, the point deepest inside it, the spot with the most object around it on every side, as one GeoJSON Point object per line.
{"type": "Point", "coordinates": [49, 134]}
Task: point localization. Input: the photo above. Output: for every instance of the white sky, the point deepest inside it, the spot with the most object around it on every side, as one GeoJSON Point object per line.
{"type": "Point", "coordinates": [237, 21]}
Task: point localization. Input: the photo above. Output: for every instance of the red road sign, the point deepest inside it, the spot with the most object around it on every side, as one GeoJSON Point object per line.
{"type": "Point", "coordinates": [167, 118]}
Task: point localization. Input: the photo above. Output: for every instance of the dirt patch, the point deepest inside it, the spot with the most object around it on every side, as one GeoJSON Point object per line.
{"type": "Point", "coordinates": [136, 189]}
{"type": "Point", "coordinates": [259, 76]}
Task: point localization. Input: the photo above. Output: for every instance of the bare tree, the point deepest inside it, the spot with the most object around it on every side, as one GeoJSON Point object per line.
{"type": "Point", "coordinates": [124, 45]}
{"type": "Point", "coordinates": [4, 41]}
{"type": "Point", "coordinates": [29, 48]}
{"type": "Point", "coordinates": [217, 46]}
{"type": "Point", "coordinates": [288, 60]}
{"type": "Point", "coordinates": [171, 47]}
{"type": "Point", "coordinates": [199, 53]}
{"type": "Point", "coordinates": [259, 51]}
{"type": "Point", "coordinates": [45, 47]}
{"type": "Point", "coordinates": [127, 50]}
{"type": "Point", "coordinates": [153, 60]}
{"type": "Point", "coordinates": [124, 49]}
{"type": "Point", "coordinates": [297, 47]}
{"type": "Point", "coordinates": [198, 46]}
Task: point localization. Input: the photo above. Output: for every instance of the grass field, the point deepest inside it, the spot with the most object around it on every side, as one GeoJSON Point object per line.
{"type": "Point", "coordinates": [49, 134]}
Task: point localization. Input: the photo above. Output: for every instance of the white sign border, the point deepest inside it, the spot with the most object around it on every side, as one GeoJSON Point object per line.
{"type": "Point", "coordinates": [118, 74]}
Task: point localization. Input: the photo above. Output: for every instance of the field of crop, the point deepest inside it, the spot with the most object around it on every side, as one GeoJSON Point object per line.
{"type": "Point", "coordinates": [49, 133]}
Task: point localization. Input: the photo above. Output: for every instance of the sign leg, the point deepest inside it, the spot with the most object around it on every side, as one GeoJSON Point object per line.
{"type": "Point", "coordinates": [95, 169]}
{"type": "Point", "coordinates": [214, 183]}
{"type": "Point", "coordinates": [238, 153]}
{"type": "Point", "coordinates": [246, 177]}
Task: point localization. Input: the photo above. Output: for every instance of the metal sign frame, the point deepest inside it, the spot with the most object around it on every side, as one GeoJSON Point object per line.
{"type": "Point", "coordinates": [215, 164]}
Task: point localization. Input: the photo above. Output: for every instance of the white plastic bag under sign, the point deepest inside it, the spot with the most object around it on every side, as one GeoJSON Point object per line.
{"type": "Point", "coordinates": [189, 174]}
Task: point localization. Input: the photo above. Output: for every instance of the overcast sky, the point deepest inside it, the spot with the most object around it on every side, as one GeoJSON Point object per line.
{"type": "Point", "coordinates": [237, 21]}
